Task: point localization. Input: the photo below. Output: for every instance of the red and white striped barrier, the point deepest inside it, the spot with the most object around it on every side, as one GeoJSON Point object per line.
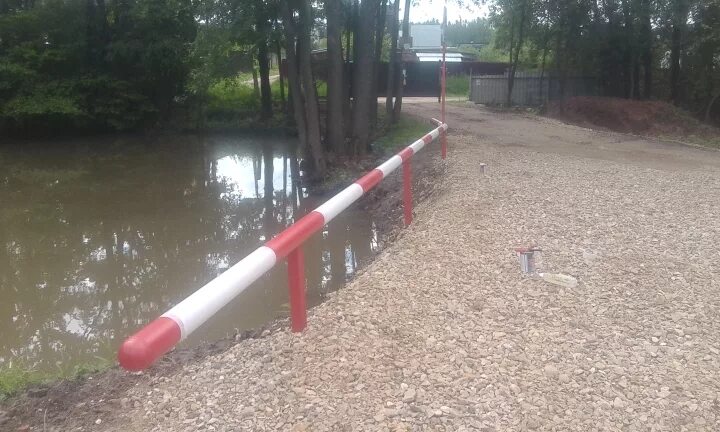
{"type": "Point", "coordinates": [144, 347]}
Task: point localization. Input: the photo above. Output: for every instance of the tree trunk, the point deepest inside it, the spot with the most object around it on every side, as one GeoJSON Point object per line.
{"type": "Point", "coordinates": [629, 54]}
{"type": "Point", "coordinates": [708, 109]}
{"type": "Point", "coordinates": [265, 92]}
{"type": "Point", "coordinates": [281, 77]}
{"type": "Point", "coordinates": [546, 40]}
{"type": "Point", "coordinates": [518, 47]}
{"type": "Point", "coordinates": [647, 41]}
{"type": "Point", "coordinates": [400, 76]}
{"type": "Point", "coordinates": [675, 63]}
{"type": "Point", "coordinates": [392, 63]}
{"type": "Point", "coordinates": [256, 86]}
{"type": "Point", "coordinates": [310, 92]}
{"type": "Point", "coordinates": [335, 83]}
{"type": "Point", "coordinates": [295, 93]}
{"type": "Point", "coordinates": [379, 36]}
{"type": "Point", "coordinates": [679, 23]}
{"type": "Point", "coordinates": [363, 77]}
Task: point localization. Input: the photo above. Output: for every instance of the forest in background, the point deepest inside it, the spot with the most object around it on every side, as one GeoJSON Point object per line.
{"type": "Point", "coordinates": [641, 49]}
{"type": "Point", "coordinates": [85, 66]}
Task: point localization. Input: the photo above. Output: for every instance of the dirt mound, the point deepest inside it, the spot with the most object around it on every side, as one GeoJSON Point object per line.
{"type": "Point", "coordinates": [626, 115]}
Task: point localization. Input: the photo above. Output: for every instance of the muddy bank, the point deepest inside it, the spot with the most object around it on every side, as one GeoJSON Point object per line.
{"type": "Point", "coordinates": [71, 404]}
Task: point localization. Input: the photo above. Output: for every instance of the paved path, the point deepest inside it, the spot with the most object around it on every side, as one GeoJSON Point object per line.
{"type": "Point", "coordinates": [441, 332]}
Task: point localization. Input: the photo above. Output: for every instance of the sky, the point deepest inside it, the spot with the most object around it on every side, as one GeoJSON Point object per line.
{"type": "Point", "coordinates": [428, 9]}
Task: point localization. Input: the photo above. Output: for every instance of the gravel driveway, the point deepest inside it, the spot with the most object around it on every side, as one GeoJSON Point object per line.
{"type": "Point", "coordinates": [442, 332]}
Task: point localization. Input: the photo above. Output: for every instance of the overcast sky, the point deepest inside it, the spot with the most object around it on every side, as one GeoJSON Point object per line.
{"type": "Point", "coordinates": [429, 9]}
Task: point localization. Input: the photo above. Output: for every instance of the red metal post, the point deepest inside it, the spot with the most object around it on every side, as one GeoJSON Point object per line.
{"type": "Point", "coordinates": [296, 284]}
{"type": "Point", "coordinates": [443, 134]}
{"type": "Point", "coordinates": [407, 190]}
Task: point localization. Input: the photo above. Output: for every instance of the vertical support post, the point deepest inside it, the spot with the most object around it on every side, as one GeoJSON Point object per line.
{"type": "Point", "coordinates": [407, 190]}
{"type": "Point", "coordinates": [443, 137]}
{"type": "Point", "coordinates": [296, 284]}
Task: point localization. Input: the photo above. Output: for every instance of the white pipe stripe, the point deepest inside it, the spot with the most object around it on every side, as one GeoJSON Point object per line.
{"type": "Point", "coordinates": [417, 145]}
{"type": "Point", "coordinates": [340, 202]}
{"type": "Point", "coordinates": [205, 302]}
{"type": "Point", "coordinates": [390, 165]}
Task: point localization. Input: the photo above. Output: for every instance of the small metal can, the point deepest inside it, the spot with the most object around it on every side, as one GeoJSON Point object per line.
{"type": "Point", "coordinates": [526, 256]}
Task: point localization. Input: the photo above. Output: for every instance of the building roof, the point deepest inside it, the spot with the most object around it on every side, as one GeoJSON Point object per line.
{"type": "Point", "coordinates": [437, 56]}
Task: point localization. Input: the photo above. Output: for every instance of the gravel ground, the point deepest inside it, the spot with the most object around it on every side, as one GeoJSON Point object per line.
{"type": "Point", "coordinates": [442, 332]}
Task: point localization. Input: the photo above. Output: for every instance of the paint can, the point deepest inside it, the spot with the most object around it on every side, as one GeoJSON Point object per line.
{"type": "Point", "coordinates": [482, 168]}
{"type": "Point", "coordinates": [528, 258]}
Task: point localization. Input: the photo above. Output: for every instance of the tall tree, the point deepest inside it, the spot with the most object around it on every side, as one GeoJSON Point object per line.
{"type": "Point", "coordinates": [363, 77]}
{"type": "Point", "coordinates": [335, 74]}
{"type": "Point", "coordinates": [399, 76]}
{"type": "Point", "coordinates": [393, 63]}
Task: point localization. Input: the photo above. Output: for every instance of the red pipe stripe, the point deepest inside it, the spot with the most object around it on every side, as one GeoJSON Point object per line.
{"type": "Point", "coordinates": [294, 235]}
{"type": "Point", "coordinates": [427, 139]}
{"type": "Point", "coordinates": [370, 180]}
{"type": "Point", "coordinates": [406, 154]}
{"type": "Point", "coordinates": [155, 339]}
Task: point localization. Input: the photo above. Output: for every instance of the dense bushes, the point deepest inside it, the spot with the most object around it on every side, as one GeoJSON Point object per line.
{"type": "Point", "coordinates": [69, 66]}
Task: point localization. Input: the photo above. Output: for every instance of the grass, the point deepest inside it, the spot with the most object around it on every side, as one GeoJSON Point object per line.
{"type": "Point", "coordinates": [458, 85]}
{"type": "Point", "coordinates": [401, 134]}
{"type": "Point", "coordinates": [15, 379]}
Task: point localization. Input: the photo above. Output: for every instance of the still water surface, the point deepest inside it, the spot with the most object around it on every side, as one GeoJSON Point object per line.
{"type": "Point", "coordinates": [98, 237]}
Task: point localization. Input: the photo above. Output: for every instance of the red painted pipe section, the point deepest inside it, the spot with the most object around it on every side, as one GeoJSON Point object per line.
{"type": "Point", "coordinates": [296, 285]}
{"type": "Point", "coordinates": [155, 339]}
{"type": "Point", "coordinates": [407, 190]}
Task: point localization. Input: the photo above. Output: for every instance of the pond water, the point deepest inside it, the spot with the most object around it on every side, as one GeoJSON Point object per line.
{"type": "Point", "coordinates": [100, 236]}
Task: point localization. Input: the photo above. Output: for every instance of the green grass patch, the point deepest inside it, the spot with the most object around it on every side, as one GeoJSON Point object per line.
{"type": "Point", "coordinates": [402, 134]}
{"type": "Point", "coordinates": [458, 85]}
{"type": "Point", "coordinates": [15, 379]}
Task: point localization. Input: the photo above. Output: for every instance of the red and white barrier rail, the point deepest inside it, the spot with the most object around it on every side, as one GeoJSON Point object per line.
{"type": "Point", "coordinates": [144, 347]}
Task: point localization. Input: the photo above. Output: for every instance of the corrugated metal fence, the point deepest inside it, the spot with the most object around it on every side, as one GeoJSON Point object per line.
{"type": "Point", "coordinates": [530, 89]}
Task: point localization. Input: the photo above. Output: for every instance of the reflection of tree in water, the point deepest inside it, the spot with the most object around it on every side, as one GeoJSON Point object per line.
{"type": "Point", "coordinates": [97, 243]}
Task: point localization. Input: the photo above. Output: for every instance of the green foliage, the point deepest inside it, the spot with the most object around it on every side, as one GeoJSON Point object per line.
{"type": "Point", "coordinates": [67, 66]}
{"type": "Point", "coordinates": [457, 85]}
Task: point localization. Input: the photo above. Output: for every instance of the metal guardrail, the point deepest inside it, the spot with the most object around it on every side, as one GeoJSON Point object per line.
{"type": "Point", "coordinates": [159, 336]}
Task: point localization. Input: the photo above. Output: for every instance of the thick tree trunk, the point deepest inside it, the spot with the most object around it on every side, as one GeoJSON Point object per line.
{"type": "Point", "coordinates": [335, 83]}
{"type": "Point", "coordinates": [392, 63]}
{"type": "Point", "coordinates": [363, 77]}
{"type": "Point", "coordinates": [400, 76]}
{"type": "Point", "coordinates": [265, 92]}
{"type": "Point", "coordinates": [310, 92]}
{"type": "Point", "coordinates": [379, 36]}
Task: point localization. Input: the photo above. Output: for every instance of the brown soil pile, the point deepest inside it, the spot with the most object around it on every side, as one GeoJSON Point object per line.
{"type": "Point", "coordinates": [626, 115]}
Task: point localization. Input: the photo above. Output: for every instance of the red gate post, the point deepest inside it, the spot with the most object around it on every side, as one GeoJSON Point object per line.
{"type": "Point", "coordinates": [407, 190]}
{"type": "Point", "coordinates": [296, 284]}
{"type": "Point", "coordinates": [443, 134]}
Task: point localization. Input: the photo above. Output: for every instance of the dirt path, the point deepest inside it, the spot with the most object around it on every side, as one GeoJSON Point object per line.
{"type": "Point", "coordinates": [545, 135]}
{"type": "Point", "coordinates": [442, 332]}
